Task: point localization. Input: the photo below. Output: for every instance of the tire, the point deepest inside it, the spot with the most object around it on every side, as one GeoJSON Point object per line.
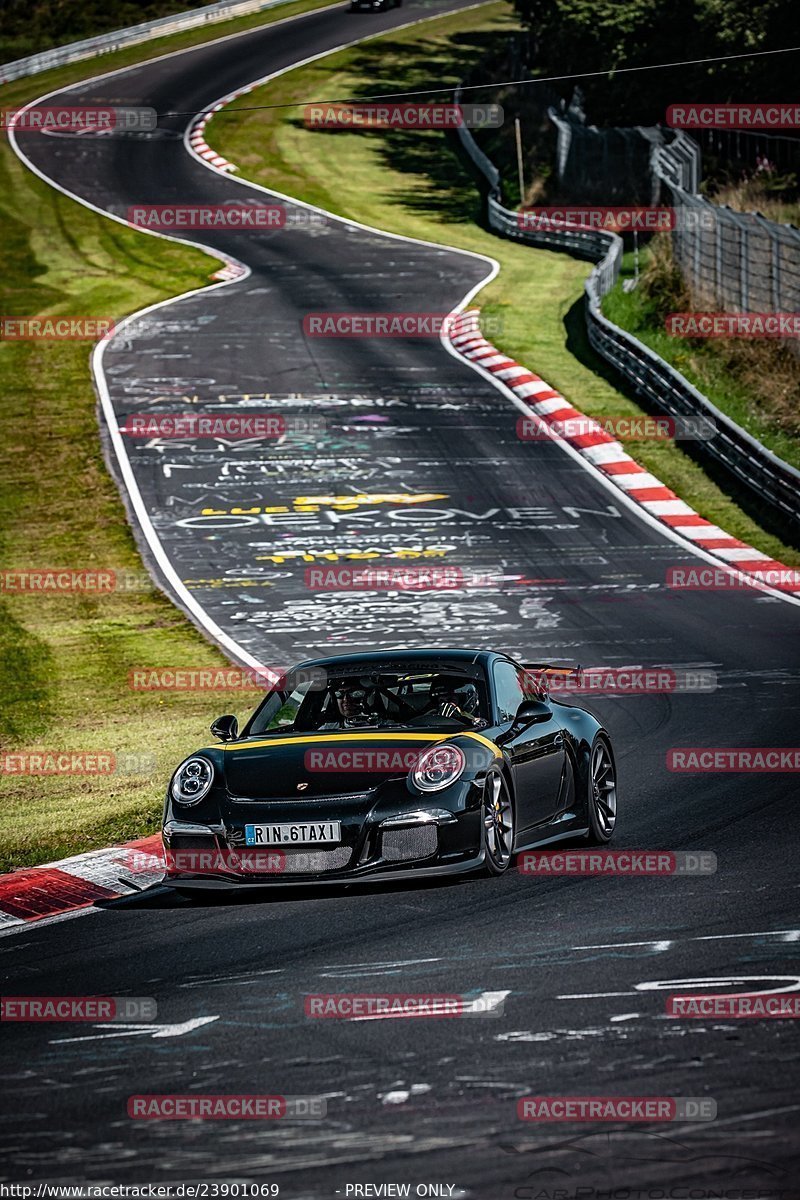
{"type": "Point", "coordinates": [498, 824]}
{"type": "Point", "coordinates": [601, 793]}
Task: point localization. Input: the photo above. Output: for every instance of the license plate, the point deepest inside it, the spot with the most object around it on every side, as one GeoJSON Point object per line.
{"type": "Point", "coordinates": [306, 833]}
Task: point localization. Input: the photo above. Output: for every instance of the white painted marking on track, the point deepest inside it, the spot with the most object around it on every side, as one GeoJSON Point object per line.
{"type": "Point", "coordinates": [399, 1095]}
{"type": "Point", "coordinates": [601, 478]}
{"type": "Point", "coordinates": [374, 968]}
{"type": "Point", "coordinates": [592, 995]}
{"type": "Point", "coordinates": [712, 981]}
{"type": "Point", "coordinates": [485, 1003]}
{"type": "Point", "coordinates": [156, 1031]}
{"type": "Point", "coordinates": [143, 517]}
{"type": "Point", "coordinates": [678, 985]}
{"type": "Point", "coordinates": [713, 937]}
{"type": "Point", "coordinates": [657, 946]}
{"type": "Point", "coordinates": [788, 935]}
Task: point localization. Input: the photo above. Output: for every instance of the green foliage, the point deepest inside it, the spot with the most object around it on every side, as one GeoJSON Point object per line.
{"type": "Point", "coordinates": [571, 36]}
{"type": "Point", "coordinates": [28, 26]}
{"type": "Point", "coordinates": [662, 289]}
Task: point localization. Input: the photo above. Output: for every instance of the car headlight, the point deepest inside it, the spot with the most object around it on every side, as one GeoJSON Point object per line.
{"type": "Point", "coordinates": [437, 768]}
{"type": "Point", "coordinates": [191, 781]}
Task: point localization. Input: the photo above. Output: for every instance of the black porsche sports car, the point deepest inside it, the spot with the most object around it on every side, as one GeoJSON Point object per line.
{"type": "Point", "coordinates": [387, 765]}
{"type": "Point", "coordinates": [373, 5]}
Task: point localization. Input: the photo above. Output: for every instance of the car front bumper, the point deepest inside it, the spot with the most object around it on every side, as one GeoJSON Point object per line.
{"type": "Point", "coordinates": [399, 836]}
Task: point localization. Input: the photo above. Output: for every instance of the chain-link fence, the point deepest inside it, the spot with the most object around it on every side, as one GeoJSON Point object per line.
{"type": "Point", "coordinates": [745, 150]}
{"type": "Point", "coordinates": [771, 480]}
{"type": "Point", "coordinates": [609, 166]}
{"type": "Point", "coordinates": [731, 261]}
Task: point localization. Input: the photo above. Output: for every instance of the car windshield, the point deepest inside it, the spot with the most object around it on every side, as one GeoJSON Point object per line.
{"type": "Point", "coordinates": [365, 696]}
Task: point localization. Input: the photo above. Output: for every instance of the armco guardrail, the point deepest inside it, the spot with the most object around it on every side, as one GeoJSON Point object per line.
{"type": "Point", "coordinates": [769, 477]}
{"type": "Point", "coordinates": [732, 261]}
{"type": "Point", "coordinates": [773, 481]}
{"type": "Point", "coordinates": [104, 43]}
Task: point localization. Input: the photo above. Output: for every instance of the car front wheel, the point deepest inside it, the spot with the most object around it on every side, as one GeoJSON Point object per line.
{"type": "Point", "coordinates": [498, 823]}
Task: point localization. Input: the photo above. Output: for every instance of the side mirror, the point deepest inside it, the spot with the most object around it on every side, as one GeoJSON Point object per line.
{"type": "Point", "coordinates": [532, 710]}
{"type": "Point", "coordinates": [225, 728]}
{"type": "Point", "coordinates": [529, 712]}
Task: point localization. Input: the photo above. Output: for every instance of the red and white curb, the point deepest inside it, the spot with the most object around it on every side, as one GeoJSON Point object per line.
{"type": "Point", "coordinates": [231, 270]}
{"type": "Point", "coordinates": [197, 128]}
{"type": "Point", "coordinates": [32, 893]}
{"type": "Point", "coordinates": [200, 146]}
{"type": "Point", "coordinates": [608, 456]}
{"type": "Point", "coordinates": [198, 143]}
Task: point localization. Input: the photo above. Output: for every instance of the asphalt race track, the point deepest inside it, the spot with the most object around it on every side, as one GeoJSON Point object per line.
{"type": "Point", "coordinates": [583, 965]}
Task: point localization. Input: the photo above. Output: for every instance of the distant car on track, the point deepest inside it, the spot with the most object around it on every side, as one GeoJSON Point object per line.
{"type": "Point", "coordinates": [398, 763]}
{"type": "Point", "coordinates": [373, 5]}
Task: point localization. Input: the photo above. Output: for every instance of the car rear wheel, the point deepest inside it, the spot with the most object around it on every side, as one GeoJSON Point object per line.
{"type": "Point", "coordinates": [498, 823]}
{"type": "Point", "coordinates": [602, 793]}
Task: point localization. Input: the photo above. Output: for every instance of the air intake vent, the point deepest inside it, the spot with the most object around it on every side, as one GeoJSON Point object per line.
{"type": "Point", "coordinates": [418, 841]}
{"type": "Point", "coordinates": [303, 863]}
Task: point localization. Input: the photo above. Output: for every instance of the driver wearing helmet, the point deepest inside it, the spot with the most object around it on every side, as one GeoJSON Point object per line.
{"type": "Point", "coordinates": [355, 702]}
{"type": "Point", "coordinates": [456, 698]}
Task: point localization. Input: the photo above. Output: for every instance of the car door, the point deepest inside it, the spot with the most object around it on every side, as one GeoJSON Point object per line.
{"type": "Point", "coordinates": [537, 753]}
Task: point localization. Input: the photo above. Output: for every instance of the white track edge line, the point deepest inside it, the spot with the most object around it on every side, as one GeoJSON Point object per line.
{"type": "Point", "coordinates": [217, 635]}
{"type": "Point", "coordinates": [618, 493]}
{"type": "Point", "coordinates": [633, 505]}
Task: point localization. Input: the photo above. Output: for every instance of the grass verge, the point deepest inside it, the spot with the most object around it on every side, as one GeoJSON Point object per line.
{"type": "Point", "coordinates": [64, 660]}
{"type": "Point", "coordinates": [754, 382]}
{"type": "Point", "coordinates": [415, 183]}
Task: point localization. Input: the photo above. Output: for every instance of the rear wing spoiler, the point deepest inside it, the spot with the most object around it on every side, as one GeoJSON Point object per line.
{"type": "Point", "coordinates": [541, 674]}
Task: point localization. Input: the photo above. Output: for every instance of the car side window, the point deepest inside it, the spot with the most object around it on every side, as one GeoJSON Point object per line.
{"type": "Point", "coordinates": [288, 711]}
{"type": "Point", "coordinates": [281, 709]}
{"type": "Point", "coordinates": [509, 693]}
